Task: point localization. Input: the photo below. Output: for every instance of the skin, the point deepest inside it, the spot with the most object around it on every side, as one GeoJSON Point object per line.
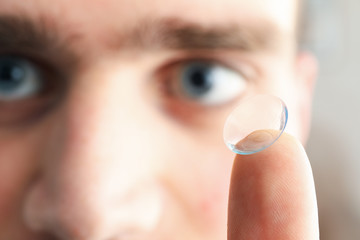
{"type": "Point", "coordinates": [116, 157]}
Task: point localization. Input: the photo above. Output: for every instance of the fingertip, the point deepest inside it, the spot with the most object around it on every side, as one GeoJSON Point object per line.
{"type": "Point", "coordinates": [272, 194]}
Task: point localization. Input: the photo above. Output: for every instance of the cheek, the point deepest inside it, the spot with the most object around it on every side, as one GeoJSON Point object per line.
{"type": "Point", "coordinates": [208, 193]}
{"type": "Point", "coordinates": [22, 151]}
{"type": "Point", "coordinates": [199, 174]}
{"type": "Point", "coordinates": [211, 190]}
{"type": "Point", "coordinates": [12, 171]}
{"type": "Point", "coordinates": [18, 164]}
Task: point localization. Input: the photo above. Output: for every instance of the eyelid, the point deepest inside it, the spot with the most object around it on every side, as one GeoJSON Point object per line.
{"type": "Point", "coordinates": [232, 61]}
{"type": "Point", "coordinates": [47, 62]}
{"type": "Point", "coordinates": [174, 66]}
{"type": "Point", "coordinates": [167, 77]}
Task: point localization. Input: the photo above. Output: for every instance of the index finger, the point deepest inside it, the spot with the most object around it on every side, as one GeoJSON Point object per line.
{"type": "Point", "coordinates": [272, 194]}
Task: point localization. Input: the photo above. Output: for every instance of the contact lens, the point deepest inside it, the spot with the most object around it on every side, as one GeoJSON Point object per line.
{"type": "Point", "coordinates": [255, 124]}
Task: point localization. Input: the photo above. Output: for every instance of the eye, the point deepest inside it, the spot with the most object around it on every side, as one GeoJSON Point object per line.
{"type": "Point", "coordinates": [29, 88]}
{"type": "Point", "coordinates": [208, 83]}
{"type": "Point", "coordinates": [19, 79]}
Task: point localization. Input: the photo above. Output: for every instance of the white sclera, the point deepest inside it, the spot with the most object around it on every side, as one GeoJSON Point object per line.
{"type": "Point", "coordinates": [261, 112]}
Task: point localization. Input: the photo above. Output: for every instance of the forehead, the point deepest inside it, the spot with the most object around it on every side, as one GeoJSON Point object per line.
{"type": "Point", "coordinates": [102, 14]}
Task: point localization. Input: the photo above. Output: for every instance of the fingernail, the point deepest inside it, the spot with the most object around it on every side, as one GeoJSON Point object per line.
{"type": "Point", "coordinates": [257, 141]}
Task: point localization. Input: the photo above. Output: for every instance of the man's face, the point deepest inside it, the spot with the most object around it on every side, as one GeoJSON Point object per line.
{"type": "Point", "coordinates": [111, 112]}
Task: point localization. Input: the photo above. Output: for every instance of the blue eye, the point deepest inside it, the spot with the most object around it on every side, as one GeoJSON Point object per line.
{"type": "Point", "coordinates": [19, 79]}
{"type": "Point", "coordinates": [210, 84]}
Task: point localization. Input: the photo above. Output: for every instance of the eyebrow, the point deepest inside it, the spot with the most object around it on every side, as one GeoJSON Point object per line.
{"type": "Point", "coordinates": [42, 35]}
{"type": "Point", "coordinates": [178, 34]}
{"type": "Point", "coordinates": [38, 36]}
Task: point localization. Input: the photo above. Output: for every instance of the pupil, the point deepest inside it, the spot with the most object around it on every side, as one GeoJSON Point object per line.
{"type": "Point", "coordinates": [199, 80]}
{"type": "Point", "coordinates": [11, 76]}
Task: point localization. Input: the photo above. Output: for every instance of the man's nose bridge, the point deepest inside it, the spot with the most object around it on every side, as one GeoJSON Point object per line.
{"type": "Point", "coordinates": [96, 142]}
{"type": "Point", "coordinates": [103, 128]}
{"type": "Point", "coordinates": [95, 162]}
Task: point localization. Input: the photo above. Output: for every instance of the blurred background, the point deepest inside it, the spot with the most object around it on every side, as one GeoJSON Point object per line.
{"type": "Point", "coordinates": [333, 147]}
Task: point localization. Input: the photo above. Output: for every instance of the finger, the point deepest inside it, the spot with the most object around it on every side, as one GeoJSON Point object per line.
{"type": "Point", "coordinates": [272, 194]}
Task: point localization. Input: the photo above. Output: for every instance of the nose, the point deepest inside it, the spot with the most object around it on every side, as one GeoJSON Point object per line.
{"type": "Point", "coordinates": [97, 180]}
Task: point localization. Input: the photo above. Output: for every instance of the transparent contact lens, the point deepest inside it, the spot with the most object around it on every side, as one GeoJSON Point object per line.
{"type": "Point", "coordinates": [255, 124]}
